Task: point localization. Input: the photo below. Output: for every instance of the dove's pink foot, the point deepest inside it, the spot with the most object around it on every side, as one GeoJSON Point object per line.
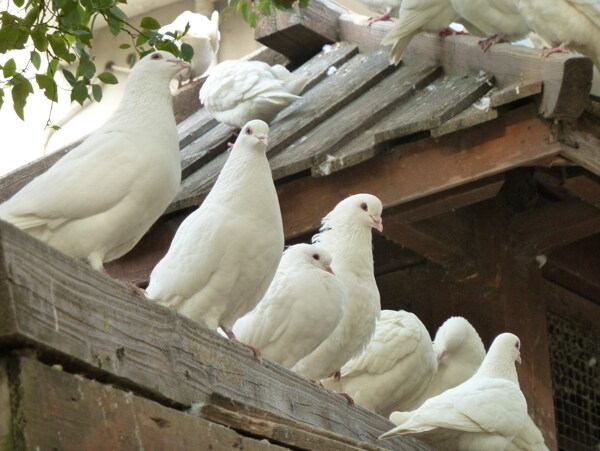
{"type": "Point", "coordinates": [562, 48]}
{"type": "Point", "coordinates": [232, 337]}
{"type": "Point", "coordinates": [337, 375]}
{"type": "Point", "coordinates": [451, 32]}
{"type": "Point", "coordinates": [130, 285]}
{"type": "Point", "coordinates": [387, 15]}
{"type": "Point", "coordinates": [348, 398]}
{"type": "Point", "coordinates": [485, 44]}
{"type": "Point", "coordinates": [314, 381]}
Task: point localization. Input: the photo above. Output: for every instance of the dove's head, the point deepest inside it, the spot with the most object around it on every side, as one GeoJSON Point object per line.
{"type": "Point", "coordinates": [458, 336]}
{"type": "Point", "coordinates": [507, 344]}
{"type": "Point", "coordinates": [255, 134]}
{"type": "Point", "coordinates": [310, 254]}
{"type": "Point", "coordinates": [363, 210]}
{"type": "Point", "coordinates": [160, 64]}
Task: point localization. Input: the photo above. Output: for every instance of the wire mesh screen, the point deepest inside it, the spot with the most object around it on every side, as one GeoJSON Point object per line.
{"type": "Point", "coordinates": [575, 356]}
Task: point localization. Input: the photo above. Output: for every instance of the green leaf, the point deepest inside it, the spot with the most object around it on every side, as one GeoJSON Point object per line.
{"type": "Point", "coordinates": [48, 85]}
{"type": "Point", "coordinates": [32, 16]}
{"type": "Point", "coordinates": [21, 88]}
{"type": "Point", "coordinates": [18, 3]}
{"type": "Point", "coordinates": [85, 68]}
{"type": "Point", "coordinates": [39, 38]}
{"type": "Point", "coordinates": [52, 65]}
{"type": "Point", "coordinates": [1, 97]}
{"type": "Point", "coordinates": [12, 36]}
{"type": "Point", "coordinates": [97, 92]}
{"type": "Point", "coordinates": [124, 46]}
{"type": "Point", "coordinates": [168, 46]}
{"type": "Point", "coordinates": [187, 52]}
{"type": "Point", "coordinates": [59, 47]}
{"type": "Point", "coordinates": [149, 23]}
{"type": "Point", "coordinates": [102, 4]}
{"type": "Point", "coordinates": [118, 13]}
{"type": "Point", "coordinates": [264, 6]}
{"type": "Point", "coordinates": [141, 40]}
{"type": "Point", "coordinates": [108, 78]}
{"type": "Point", "coordinates": [9, 68]}
{"type": "Point", "coordinates": [35, 58]}
{"type": "Point", "coordinates": [79, 93]}
{"type": "Point", "coordinates": [69, 77]}
{"type": "Point", "coordinates": [303, 3]}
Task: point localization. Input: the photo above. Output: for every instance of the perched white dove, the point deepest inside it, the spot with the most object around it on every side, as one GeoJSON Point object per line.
{"type": "Point", "coordinates": [500, 20]}
{"type": "Point", "coordinates": [483, 413]}
{"type": "Point", "coordinates": [395, 367]}
{"type": "Point", "coordinates": [225, 254]}
{"type": "Point", "coordinates": [346, 234]}
{"type": "Point", "coordinates": [414, 17]}
{"type": "Point", "coordinates": [98, 200]}
{"type": "Point", "coordinates": [459, 352]}
{"type": "Point", "coordinates": [203, 35]}
{"type": "Point", "coordinates": [529, 438]}
{"type": "Point", "coordinates": [565, 23]}
{"type": "Point", "coordinates": [303, 305]}
{"type": "Point", "coordinates": [237, 91]}
{"type": "Point", "coordinates": [386, 9]}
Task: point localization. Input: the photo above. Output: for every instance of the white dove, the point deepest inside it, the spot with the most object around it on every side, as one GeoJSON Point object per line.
{"type": "Point", "coordinates": [203, 35]}
{"type": "Point", "coordinates": [529, 438]}
{"type": "Point", "coordinates": [483, 413]}
{"type": "Point", "coordinates": [459, 351]}
{"type": "Point", "coordinates": [565, 23]}
{"type": "Point", "coordinates": [303, 305]}
{"type": "Point", "coordinates": [98, 200]}
{"type": "Point", "coordinates": [346, 234]}
{"type": "Point", "coordinates": [414, 17]}
{"type": "Point", "coordinates": [500, 20]}
{"type": "Point", "coordinates": [225, 254]}
{"type": "Point", "coordinates": [237, 91]}
{"type": "Point", "coordinates": [395, 367]}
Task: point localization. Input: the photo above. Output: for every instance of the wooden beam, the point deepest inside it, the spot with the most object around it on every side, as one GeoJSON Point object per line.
{"type": "Point", "coordinates": [566, 79]}
{"type": "Point", "coordinates": [586, 186]}
{"type": "Point", "coordinates": [556, 224]}
{"type": "Point", "coordinates": [59, 410]}
{"type": "Point", "coordinates": [586, 152]}
{"type": "Point", "coordinates": [79, 317]}
{"type": "Point", "coordinates": [301, 33]}
{"type": "Point", "coordinates": [422, 168]}
{"type": "Point", "coordinates": [576, 267]}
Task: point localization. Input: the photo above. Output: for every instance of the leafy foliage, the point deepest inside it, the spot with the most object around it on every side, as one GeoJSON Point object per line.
{"type": "Point", "coordinates": [251, 10]}
{"type": "Point", "coordinates": [59, 33]}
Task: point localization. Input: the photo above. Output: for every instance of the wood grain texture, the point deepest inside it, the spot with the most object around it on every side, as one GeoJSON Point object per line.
{"type": "Point", "coordinates": [59, 410]}
{"type": "Point", "coordinates": [72, 313]}
{"type": "Point", "coordinates": [422, 168]}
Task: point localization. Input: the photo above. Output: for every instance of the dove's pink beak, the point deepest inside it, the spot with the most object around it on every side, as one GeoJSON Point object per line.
{"type": "Point", "coordinates": [377, 222]}
{"type": "Point", "coordinates": [328, 269]}
{"type": "Point", "coordinates": [181, 63]}
{"type": "Point", "coordinates": [263, 138]}
{"type": "Point", "coordinates": [519, 358]}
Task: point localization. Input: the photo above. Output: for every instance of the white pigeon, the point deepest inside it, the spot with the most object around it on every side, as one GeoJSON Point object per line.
{"type": "Point", "coordinates": [237, 91]}
{"type": "Point", "coordinates": [529, 438]}
{"type": "Point", "coordinates": [565, 23]}
{"type": "Point", "coordinates": [346, 234]}
{"type": "Point", "coordinates": [386, 9]}
{"type": "Point", "coordinates": [203, 35]}
{"type": "Point", "coordinates": [500, 20]}
{"type": "Point", "coordinates": [225, 254]}
{"type": "Point", "coordinates": [303, 305]}
{"type": "Point", "coordinates": [414, 17]}
{"type": "Point", "coordinates": [459, 351]}
{"type": "Point", "coordinates": [98, 200]}
{"type": "Point", "coordinates": [483, 413]}
{"type": "Point", "coordinates": [395, 367]}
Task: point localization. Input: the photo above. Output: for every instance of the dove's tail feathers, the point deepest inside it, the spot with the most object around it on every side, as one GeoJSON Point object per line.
{"type": "Point", "coordinates": [398, 38]}
{"type": "Point", "coordinates": [297, 84]}
{"type": "Point", "coordinates": [279, 98]}
{"type": "Point", "coordinates": [399, 417]}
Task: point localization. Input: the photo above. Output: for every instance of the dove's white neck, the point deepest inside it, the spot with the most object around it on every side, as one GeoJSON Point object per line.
{"type": "Point", "coordinates": [145, 95]}
{"type": "Point", "coordinates": [495, 365]}
{"type": "Point", "coordinates": [351, 246]}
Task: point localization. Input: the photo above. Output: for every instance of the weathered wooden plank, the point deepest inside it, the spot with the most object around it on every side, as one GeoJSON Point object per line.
{"type": "Point", "coordinates": [69, 311]}
{"type": "Point", "coordinates": [566, 78]}
{"type": "Point", "coordinates": [516, 91]}
{"type": "Point", "coordinates": [451, 199]}
{"type": "Point", "coordinates": [302, 32]}
{"type": "Point", "coordinates": [347, 83]}
{"type": "Point", "coordinates": [6, 417]}
{"type": "Point", "coordinates": [354, 28]}
{"type": "Point", "coordinates": [556, 224]}
{"type": "Point", "coordinates": [422, 168]}
{"type": "Point", "coordinates": [587, 152]}
{"type": "Point", "coordinates": [473, 115]}
{"type": "Point", "coordinates": [433, 105]}
{"type": "Point", "coordinates": [351, 120]}
{"type": "Point", "coordinates": [59, 410]}
{"type": "Point", "coordinates": [586, 186]}
{"type": "Point", "coordinates": [279, 429]}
